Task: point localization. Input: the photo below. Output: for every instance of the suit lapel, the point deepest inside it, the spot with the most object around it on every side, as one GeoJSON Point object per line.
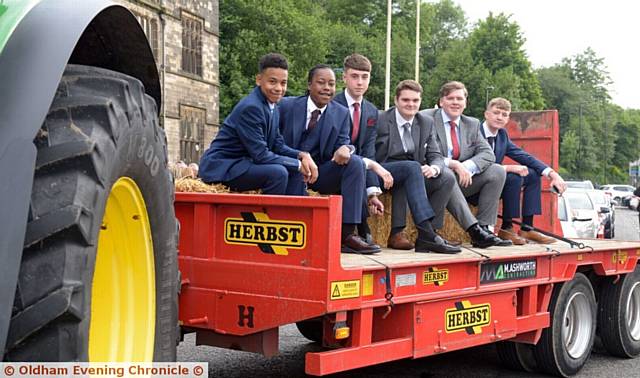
{"type": "Point", "coordinates": [299, 112]}
{"type": "Point", "coordinates": [362, 130]}
{"type": "Point", "coordinates": [394, 133]}
{"type": "Point", "coordinates": [415, 135]}
{"type": "Point", "coordinates": [441, 134]}
{"type": "Point", "coordinates": [326, 126]}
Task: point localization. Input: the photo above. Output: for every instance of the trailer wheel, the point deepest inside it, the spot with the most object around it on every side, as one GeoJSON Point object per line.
{"type": "Point", "coordinates": [98, 278]}
{"type": "Point", "coordinates": [311, 329]}
{"type": "Point", "coordinates": [565, 345]}
{"type": "Point", "coordinates": [516, 356]}
{"type": "Point", "coordinates": [619, 315]}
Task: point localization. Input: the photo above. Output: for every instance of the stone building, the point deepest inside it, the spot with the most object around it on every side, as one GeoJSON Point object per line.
{"type": "Point", "coordinates": [184, 36]}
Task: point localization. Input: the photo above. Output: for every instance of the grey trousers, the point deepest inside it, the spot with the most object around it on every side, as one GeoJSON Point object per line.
{"type": "Point", "coordinates": [488, 187]}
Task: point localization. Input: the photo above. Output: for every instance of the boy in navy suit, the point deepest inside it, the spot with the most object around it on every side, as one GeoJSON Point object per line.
{"type": "Point", "coordinates": [522, 177]}
{"type": "Point", "coordinates": [315, 124]}
{"type": "Point", "coordinates": [364, 121]}
{"type": "Point", "coordinates": [249, 152]}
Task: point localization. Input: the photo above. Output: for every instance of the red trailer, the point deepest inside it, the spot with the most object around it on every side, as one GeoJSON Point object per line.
{"type": "Point", "coordinates": [252, 263]}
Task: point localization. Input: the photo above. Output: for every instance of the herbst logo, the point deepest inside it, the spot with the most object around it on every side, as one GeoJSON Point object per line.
{"type": "Point", "coordinates": [468, 317]}
{"type": "Point", "coordinates": [435, 276]}
{"type": "Point", "coordinates": [270, 235]}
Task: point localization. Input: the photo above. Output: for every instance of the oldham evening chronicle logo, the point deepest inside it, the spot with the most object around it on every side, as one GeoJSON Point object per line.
{"type": "Point", "coordinates": [508, 271]}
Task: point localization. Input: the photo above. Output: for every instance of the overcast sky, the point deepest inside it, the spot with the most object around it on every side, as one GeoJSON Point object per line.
{"type": "Point", "coordinates": [555, 29]}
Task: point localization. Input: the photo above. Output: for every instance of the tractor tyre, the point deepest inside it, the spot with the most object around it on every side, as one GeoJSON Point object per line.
{"type": "Point", "coordinates": [98, 279]}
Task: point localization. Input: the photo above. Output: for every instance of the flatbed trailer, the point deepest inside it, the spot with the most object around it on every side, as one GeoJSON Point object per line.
{"type": "Point", "coordinates": [252, 263]}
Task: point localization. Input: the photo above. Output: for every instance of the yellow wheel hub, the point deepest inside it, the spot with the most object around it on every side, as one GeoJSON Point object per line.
{"type": "Point", "coordinates": [123, 296]}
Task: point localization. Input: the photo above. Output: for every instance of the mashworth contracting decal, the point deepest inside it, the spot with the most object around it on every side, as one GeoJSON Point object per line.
{"type": "Point", "coordinates": [507, 271]}
{"type": "Point", "coordinates": [270, 235]}
{"type": "Point", "coordinates": [468, 317]}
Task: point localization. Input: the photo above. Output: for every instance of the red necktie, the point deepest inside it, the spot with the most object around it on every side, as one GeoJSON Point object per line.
{"type": "Point", "coordinates": [356, 121]}
{"type": "Point", "coordinates": [455, 154]}
{"type": "Point", "coordinates": [314, 120]}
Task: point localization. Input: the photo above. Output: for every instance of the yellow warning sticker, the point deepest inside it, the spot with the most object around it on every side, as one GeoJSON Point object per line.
{"type": "Point", "coordinates": [345, 289]}
{"type": "Point", "coordinates": [367, 284]}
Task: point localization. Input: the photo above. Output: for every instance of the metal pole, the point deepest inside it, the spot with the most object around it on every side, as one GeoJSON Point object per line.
{"type": "Point", "coordinates": [606, 143]}
{"type": "Point", "coordinates": [387, 73]}
{"type": "Point", "coordinates": [579, 165]}
{"type": "Point", "coordinates": [418, 40]}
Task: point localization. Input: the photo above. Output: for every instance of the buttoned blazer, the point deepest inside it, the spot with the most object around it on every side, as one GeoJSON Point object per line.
{"type": "Point", "coordinates": [249, 135]}
{"type": "Point", "coordinates": [505, 147]}
{"type": "Point", "coordinates": [422, 131]}
{"type": "Point", "coordinates": [473, 145]}
{"type": "Point", "coordinates": [333, 124]}
{"type": "Point", "coordinates": [365, 145]}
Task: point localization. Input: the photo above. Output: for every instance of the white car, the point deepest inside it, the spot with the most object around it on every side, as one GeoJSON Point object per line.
{"type": "Point", "coordinates": [634, 203]}
{"type": "Point", "coordinates": [618, 192]}
{"type": "Point", "coordinates": [577, 215]}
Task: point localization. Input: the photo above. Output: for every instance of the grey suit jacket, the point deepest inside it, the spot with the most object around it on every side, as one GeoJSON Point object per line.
{"type": "Point", "coordinates": [472, 144]}
{"type": "Point", "coordinates": [427, 150]}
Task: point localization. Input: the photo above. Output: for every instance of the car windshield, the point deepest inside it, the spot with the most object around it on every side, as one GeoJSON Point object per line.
{"type": "Point", "coordinates": [580, 184]}
{"type": "Point", "coordinates": [579, 201]}
{"type": "Point", "coordinates": [598, 198]}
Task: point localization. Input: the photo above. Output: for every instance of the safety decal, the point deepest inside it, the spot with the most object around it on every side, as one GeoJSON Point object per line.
{"type": "Point", "coordinates": [468, 317]}
{"type": "Point", "coordinates": [270, 235]}
{"type": "Point", "coordinates": [435, 276]}
{"type": "Point", "coordinates": [345, 289]}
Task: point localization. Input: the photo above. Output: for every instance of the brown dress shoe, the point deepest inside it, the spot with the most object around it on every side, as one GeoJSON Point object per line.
{"type": "Point", "coordinates": [355, 244]}
{"type": "Point", "coordinates": [536, 237]}
{"type": "Point", "coordinates": [509, 234]}
{"type": "Point", "coordinates": [399, 241]}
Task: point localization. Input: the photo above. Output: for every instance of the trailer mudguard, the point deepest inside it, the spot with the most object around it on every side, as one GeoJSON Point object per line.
{"type": "Point", "coordinates": [52, 34]}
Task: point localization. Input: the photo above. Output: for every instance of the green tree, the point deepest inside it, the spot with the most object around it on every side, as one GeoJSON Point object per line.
{"type": "Point", "coordinates": [498, 44]}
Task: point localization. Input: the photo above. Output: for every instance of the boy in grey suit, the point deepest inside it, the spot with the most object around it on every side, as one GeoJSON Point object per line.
{"type": "Point", "coordinates": [470, 157]}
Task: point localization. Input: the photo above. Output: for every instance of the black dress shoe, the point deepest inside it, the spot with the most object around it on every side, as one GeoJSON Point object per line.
{"type": "Point", "coordinates": [438, 245]}
{"type": "Point", "coordinates": [355, 244]}
{"type": "Point", "coordinates": [481, 238]}
{"type": "Point", "coordinates": [501, 242]}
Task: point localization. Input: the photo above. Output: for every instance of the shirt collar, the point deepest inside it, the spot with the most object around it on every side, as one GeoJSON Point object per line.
{"type": "Point", "coordinates": [311, 106]}
{"type": "Point", "coordinates": [400, 119]}
{"type": "Point", "coordinates": [487, 130]}
{"type": "Point", "coordinates": [446, 119]}
{"type": "Point", "coordinates": [350, 99]}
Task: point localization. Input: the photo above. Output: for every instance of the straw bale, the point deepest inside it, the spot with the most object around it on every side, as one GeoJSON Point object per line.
{"type": "Point", "coordinates": [381, 225]}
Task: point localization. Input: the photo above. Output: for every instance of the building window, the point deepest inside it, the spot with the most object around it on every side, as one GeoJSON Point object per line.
{"type": "Point", "coordinates": [191, 44]}
{"type": "Point", "coordinates": [191, 133]}
{"type": "Point", "coordinates": [150, 27]}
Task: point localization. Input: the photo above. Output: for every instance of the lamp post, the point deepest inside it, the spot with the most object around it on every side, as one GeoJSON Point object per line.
{"type": "Point", "coordinates": [486, 94]}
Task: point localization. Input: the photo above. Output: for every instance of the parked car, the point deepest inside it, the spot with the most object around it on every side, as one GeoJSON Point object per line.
{"type": "Point", "coordinates": [619, 193]}
{"type": "Point", "coordinates": [585, 184]}
{"type": "Point", "coordinates": [606, 212]}
{"type": "Point", "coordinates": [577, 215]}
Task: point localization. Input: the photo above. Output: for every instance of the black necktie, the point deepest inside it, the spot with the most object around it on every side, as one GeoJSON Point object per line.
{"type": "Point", "coordinates": [492, 142]}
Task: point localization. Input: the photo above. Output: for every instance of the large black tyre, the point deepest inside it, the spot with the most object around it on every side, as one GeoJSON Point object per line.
{"type": "Point", "coordinates": [565, 346]}
{"type": "Point", "coordinates": [516, 356]}
{"type": "Point", "coordinates": [311, 329]}
{"type": "Point", "coordinates": [101, 127]}
{"type": "Point", "coordinates": [619, 315]}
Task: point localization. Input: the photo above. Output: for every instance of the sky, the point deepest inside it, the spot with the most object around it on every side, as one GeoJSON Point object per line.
{"type": "Point", "coordinates": [563, 28]}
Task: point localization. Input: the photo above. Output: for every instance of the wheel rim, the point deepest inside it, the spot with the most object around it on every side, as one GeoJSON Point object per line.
{"type": "Point", "coordinates": [123, 297]}
{"type": "Point", "coordinates": [577, 325]}
{"type": "Point", "coordinates": [633, 312]}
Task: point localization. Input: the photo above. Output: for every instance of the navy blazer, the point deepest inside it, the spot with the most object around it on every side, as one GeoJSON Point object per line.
{"type": "Point", "coordinates": [505, 147]}
{"type": "Point", "coordinates": [367, 133]}
{"type": "Point", "coordinates": [249, 135]}
{"type": "Point", "coordinates": [334, 125]}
